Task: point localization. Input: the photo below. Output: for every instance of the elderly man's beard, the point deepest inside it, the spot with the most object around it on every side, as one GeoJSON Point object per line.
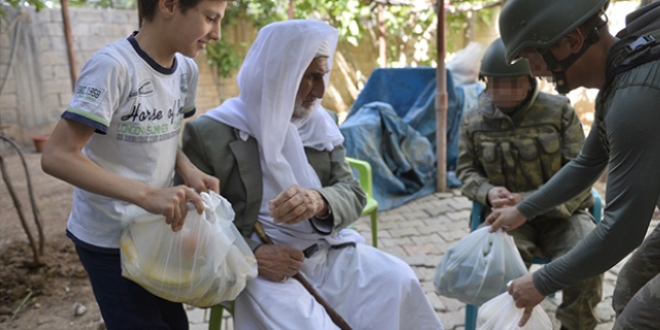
{"type": "Point", "coordinates": [299, 111]}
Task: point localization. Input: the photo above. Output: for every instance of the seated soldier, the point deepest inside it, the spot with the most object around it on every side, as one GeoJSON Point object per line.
{"type": "Point", "coordinates": [510, 145]}
{"type": "Point", "coordinates": [281, 163]}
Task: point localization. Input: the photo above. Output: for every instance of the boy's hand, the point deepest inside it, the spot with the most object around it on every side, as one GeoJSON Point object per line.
{"type": "Point", "coordinates": [173, 204]}
{"type": "Point", "coordinates": [194, 177]}
{"type": "Point", "coordinates": [201, 181]}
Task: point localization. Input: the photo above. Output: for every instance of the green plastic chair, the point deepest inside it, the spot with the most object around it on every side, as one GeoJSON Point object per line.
{"type": "Point", "coordinates": [364, 171]}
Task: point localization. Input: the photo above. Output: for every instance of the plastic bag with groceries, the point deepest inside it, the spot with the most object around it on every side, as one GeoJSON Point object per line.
{"type": "Point", "coordinates": [478, 267]}
{"type": "Point", "coordinates": [204, 263]}
{"type": "Point", "coordinates": [501, 313]}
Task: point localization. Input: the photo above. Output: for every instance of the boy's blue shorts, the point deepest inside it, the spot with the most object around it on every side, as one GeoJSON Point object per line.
{"type": "Point", "coordinates": [123, 303]}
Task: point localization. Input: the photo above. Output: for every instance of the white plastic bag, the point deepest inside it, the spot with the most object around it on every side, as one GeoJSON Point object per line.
{"type": "Point", "coordinates": [204, 263]}
{"type": "Point", "coordinates": [501, 313]}
{"type": "Point", "coordinates": [478, 267]}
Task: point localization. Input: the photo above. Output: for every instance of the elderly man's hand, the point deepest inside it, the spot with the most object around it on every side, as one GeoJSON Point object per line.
{"type": "Point", "coordinates": [277, 262]}
{"type": "Point", "coordinates": [525, 295]}
{"type": "Point", "coordinates": [297, 204]}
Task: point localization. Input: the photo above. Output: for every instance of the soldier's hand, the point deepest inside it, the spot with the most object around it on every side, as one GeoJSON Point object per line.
{"type": "Point", "coordinates": [508, 218]}
{"type": "Point", "coordinates": [525, 295]}
{"type": "Point", "coordinates": [277, 262]}
{"type": "Point", "coordinates": [501, 197]}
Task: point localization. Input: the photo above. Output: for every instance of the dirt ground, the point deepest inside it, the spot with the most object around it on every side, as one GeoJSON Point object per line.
{"type": "Point", "coordinates": [41, 296]}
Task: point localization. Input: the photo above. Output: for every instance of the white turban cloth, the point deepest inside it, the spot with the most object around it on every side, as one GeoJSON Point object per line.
{"type": "Point", "coordinates": [268, 82]}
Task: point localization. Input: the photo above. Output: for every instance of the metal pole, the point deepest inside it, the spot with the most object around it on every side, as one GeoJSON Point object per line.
{"type": "Point", "coordinates": [382, 44]}
{"type": "Point", "coordinates": [441, 103]}
{"type": "Point", "coordinates": [69, 43]}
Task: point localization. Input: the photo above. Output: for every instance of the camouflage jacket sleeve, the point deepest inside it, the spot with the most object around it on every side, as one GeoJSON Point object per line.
{"type": "Point", "coordinates": [468, 168]}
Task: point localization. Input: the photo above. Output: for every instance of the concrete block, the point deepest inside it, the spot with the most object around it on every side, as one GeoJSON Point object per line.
{"type": "Point", "coordinates": [82, 16]}
{"type": "Point", "coordinates": [404, 232]}
{"type": "Point", "coordinates": [426, 239]}
{"type": "Point", "coordinates": [53, 29]}
{"type": "Point", "coordinates": [57, 86]}
{"type": "Point", "coordinates": [436, 302]}
{"type": "Point", "coordinates": [459, 216]}
{"type": "Point", "coordinates": [114, 17]}
{"type": "Point", "coordinates": [196, 315]}
{"type": "Point", "coordinates": [52, 58]}
{"type": "Point", "coordinates": [8, 101]}
{"type": "Point", "coordinates": [51, 101]}
{"type": "Point", "coordinates": [396, 251]}
{"type": "Point", "coordinates": [424, 249]}
{"type": "Point", "coordinates": [453, 319]}
{"type": "Point", "coordinates": [419, 261]}
{"type": "Point", "coordinates": [461, 203]}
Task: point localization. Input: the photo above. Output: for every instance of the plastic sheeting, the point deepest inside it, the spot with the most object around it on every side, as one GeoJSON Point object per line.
{"type": "Point", "coordinates": [392, 126]}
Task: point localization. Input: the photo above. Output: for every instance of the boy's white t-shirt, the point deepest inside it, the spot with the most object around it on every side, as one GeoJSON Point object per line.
{"type": "Point", "coordinates": [137, 108]}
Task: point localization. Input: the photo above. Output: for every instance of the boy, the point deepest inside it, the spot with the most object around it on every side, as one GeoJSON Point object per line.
{"type": "Point", "coordinates": [135, 94]}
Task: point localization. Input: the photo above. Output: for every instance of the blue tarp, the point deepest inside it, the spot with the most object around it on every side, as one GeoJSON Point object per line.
{"type": "Point", "coordinates": [392, 126]}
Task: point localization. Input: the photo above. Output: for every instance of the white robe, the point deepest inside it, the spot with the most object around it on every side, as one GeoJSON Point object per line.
{"type": "Point", "coordinates": [370, 289]}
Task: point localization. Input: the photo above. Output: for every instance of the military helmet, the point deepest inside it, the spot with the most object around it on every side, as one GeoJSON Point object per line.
{"type": "Point", "coordinates": [540, 24]}
{"type": "Point", "coordinates": [494, 65]}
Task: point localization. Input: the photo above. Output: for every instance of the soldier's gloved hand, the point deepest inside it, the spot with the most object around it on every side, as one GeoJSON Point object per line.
{"type": "Point", "coordinates": [501, 197]}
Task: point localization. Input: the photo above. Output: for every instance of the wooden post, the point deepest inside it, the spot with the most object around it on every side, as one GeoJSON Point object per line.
{"type": "Point", "coordinates": [382, 44]}
{"type": "Point", "coordinates": [291, 9]}
{"type": "Point", "coordinates": [441, 103]}
{"type": "Point", "coordinates": [69, 43]}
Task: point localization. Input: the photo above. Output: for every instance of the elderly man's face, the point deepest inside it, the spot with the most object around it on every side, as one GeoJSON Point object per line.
{"type": "Point", "coordinates": [312, 87]}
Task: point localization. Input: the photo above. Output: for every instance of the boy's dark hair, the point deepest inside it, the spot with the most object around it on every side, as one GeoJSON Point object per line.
{"type": "Point", "coordinates": [147, 8]}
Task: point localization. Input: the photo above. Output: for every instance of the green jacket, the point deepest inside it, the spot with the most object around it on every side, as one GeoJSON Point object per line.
{"type": "Point", "coordinates": [217, 149]}
{"type": "Point", "coordinates": [521, 152]}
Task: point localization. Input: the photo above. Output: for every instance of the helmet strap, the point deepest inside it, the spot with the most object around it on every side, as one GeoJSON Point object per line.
{"type": "Point", "coordinates": [552, 63]}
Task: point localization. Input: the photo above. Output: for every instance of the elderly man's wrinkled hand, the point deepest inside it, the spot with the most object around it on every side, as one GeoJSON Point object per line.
{"type": "Point", "coordinates": [525, 295]}
{"type": "Point", "coordinates": [296, 204]}
{"type": "Point", "coordinates": [277, 263]}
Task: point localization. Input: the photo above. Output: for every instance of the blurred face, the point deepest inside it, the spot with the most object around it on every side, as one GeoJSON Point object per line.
{"type": "Point", "coordinates": [312, 87]}
{"type": "Point", "coordinates": [536, 63]}
{"type": "Point", "coordinates": [507, 92]}
{"type": "Point", "coordinates": [197, 26]}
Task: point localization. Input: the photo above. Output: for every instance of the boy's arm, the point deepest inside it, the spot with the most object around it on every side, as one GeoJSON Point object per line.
{"type": "Point", "coordinates": [63, 159]}
{"type": "Point", "coordinates": [193, 177]}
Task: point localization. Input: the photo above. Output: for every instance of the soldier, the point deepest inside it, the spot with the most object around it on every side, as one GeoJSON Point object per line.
{"type": "Point", "coordinates": [510, 145]}
{"type": "Point", "coordinates": [570, 40]}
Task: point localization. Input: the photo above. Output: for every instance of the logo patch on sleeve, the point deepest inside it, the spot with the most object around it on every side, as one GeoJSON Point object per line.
{"type": "Point", "coordinates": [89, 94]}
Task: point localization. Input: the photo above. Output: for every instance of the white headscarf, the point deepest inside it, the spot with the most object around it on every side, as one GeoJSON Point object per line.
{"type": "Point", "coordinates": [268, 82]}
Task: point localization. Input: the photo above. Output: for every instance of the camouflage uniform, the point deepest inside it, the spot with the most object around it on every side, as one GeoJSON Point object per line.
{"type": "Point", "coordinates": [521, 152]}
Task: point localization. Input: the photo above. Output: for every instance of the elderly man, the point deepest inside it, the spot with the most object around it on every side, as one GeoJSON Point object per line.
{"type": "Point", "coordinates": [280, 161]}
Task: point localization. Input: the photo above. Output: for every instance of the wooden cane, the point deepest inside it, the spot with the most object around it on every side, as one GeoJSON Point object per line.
{"type": "Point", "coordinates": [334, 316]}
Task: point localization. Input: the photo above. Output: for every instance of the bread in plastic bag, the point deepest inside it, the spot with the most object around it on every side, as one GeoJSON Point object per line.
{"type": "Point", "coordinates": [478, 267]}
{"type": "Point", "coordinates": [501, 313]}
{"type": "Point", "coordinates": [204, 263]}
